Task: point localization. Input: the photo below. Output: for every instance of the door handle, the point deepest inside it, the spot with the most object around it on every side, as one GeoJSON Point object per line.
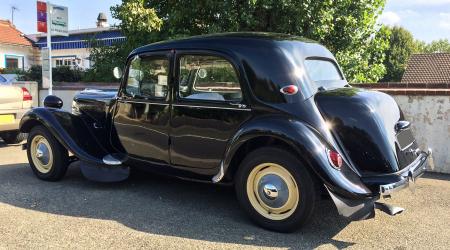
{"type": "Point", "coordinates": [238, 105]}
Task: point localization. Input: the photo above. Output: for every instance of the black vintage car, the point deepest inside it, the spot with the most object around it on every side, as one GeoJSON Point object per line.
{"type": "Point", "coordinates": [270, 113]}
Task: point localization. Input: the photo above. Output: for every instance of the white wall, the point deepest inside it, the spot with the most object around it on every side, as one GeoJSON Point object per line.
{"type": "Point", "coordinates": [430, 118]}
{"type": "Point", "coordinates": [65, 95]}
{"type": "Point", "coordinates": [78, 53]}
{"type": "Point", "coordinates": [16, 50]}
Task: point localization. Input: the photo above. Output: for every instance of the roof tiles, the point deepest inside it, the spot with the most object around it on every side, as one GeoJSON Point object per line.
{"type": "Point", "coordinates": [428, 68]}
{"type": "Point", "coordinates": [10, 35]}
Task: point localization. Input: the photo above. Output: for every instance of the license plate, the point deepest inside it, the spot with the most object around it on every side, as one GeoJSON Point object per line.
{"type": "Point", "coordinates": [6, 119]}
{"type": "Point", "coordinates": [405, 138]}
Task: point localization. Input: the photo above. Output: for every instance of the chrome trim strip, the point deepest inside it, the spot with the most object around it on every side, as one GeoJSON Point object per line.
{"type": "Point", "coordinates": [240, 107]}
{"type": "Point", "coordinates": [144, 102]}
{"type": "Point", "coordinates": [210, 107]}
{"type": "Point", "coordinates": [219, 176]}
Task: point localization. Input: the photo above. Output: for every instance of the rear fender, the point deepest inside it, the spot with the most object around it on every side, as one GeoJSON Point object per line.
{"type": "Point", "coordinates": [69, 130]}
{"type": "Point", "coordinates": [309, 146]}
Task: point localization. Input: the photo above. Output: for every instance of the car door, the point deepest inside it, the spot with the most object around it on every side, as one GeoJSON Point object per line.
{"type": "Point", "coordinates": [142, 111]}
{"type": "Point", "coordinates": [208, 108]}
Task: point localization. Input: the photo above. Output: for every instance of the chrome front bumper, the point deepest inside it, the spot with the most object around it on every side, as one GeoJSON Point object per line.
{"type": "Point", "coordinates": [409, 174]}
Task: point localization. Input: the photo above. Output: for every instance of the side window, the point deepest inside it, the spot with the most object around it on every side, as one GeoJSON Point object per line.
{"type": "Point", "coordinates": [208, 78]}
{"type": "Point", "coordinates": [147, 77]}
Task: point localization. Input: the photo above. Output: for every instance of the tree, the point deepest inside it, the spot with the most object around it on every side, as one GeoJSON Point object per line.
{"type": "Point", "coordinates": [137, 24]}
{"type": "Point", "coordinates": [437, 46]}
{"type": "Point", "coordinates": [348, 28]}
{"type": "Point", "coordinates": [401, 46]}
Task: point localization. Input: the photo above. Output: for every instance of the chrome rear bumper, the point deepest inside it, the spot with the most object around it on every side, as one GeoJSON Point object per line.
{"type": "Point", "coordinates": [409, 175]}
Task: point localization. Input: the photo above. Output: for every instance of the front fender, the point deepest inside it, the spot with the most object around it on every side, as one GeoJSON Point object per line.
{"type": "Point", "coordinates": [69, 130]}
{"type": "Point", "coordinates": [310, 147]}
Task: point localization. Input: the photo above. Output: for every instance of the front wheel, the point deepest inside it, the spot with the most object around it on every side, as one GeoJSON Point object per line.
{"type": "Point", "coordinates": [47, 157]}
{"type": "Point", "coordinates": [275, 189]}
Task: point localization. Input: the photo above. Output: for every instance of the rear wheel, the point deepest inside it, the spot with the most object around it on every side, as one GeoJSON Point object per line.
{"type": "Point", "coordinates": [275, 189]}
{"type": "Point", "coordinates": [13, 137]}
{"type": "Point", "coordinates": [47, 157]}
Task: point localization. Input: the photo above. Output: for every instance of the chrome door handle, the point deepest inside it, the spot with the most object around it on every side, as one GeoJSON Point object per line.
{"type": "Point", "coordinates": [239, 105]}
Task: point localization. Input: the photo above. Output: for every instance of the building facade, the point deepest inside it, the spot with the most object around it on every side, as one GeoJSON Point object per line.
{"type": "Point", "coordinates": [74, 50]}
{"type": "Point", "coordinates": [16, 50]}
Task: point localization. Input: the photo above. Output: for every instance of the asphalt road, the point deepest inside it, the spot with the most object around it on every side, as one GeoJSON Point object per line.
{"type": "Point", "coordinates": [154, 212]}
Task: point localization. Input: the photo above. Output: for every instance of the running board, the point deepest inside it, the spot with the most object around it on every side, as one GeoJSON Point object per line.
{"type": "Point", "coordinates": [112, 160]}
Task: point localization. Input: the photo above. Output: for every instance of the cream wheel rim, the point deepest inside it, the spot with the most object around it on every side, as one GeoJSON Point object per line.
{"type": "Point", "coordinates": [272, 191]}
{"type": "Point", "coordinates": [41, 154]}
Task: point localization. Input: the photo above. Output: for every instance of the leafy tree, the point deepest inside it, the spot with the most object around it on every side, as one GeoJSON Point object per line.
{"type": "Point", "coordinates": [348, 28]}
{"type": "Point", "coordinates": [401, 46]}
{"type": "Point", "coordinates": [137, 24]}
{"type": "Point", "coordinates": [438, 46]}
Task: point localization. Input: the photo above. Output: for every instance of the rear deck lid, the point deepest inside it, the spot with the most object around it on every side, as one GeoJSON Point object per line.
{"type": "Point", "coordinates": [370, 127]}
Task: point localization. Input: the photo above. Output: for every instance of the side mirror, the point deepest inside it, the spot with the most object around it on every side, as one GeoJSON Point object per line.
{"type": "Point", "coordinates": [117, 72]}
{"type": "Point", "coordinates": [52, 101]}
{"type": "Point", "coordinates": [202, 73]}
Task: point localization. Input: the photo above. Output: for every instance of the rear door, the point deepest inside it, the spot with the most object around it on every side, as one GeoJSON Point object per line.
{"type": "Point", "coordinates": [208, 108]}
{"type": "Point", "coordinates": [142, 112]}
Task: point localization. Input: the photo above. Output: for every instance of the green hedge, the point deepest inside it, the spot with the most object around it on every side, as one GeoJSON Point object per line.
{"type": "Point", "coordinates": [62, 74]}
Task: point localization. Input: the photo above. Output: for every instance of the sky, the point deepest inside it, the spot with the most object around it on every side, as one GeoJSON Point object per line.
{"type": "Point", "coordinates": [82, 13]}
{"type": "Point", "coordinates": [427, 19]}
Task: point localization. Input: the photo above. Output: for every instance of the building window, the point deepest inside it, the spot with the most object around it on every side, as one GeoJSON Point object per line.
{"type": "Point", "coordinates": [13, 62]}
{"type": "Point", "coordinates": [69, 62]}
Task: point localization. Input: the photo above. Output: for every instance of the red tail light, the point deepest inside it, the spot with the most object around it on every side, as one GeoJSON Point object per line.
{"type": "Point", "coordinates": [334, 158]}
{"type": "Point", "coordinates": [26, 94]}
{"type": "Point", "coordinates": [289, 90]}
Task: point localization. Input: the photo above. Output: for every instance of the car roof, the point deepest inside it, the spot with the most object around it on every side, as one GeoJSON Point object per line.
{"type": "Point", "coordinates": [218, 40]}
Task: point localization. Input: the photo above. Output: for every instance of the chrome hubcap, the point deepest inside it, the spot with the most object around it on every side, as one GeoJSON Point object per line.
{"type": "Point", "coordinates": [42, 153]}
{"type": "Point", "coordinates": [272, 191]}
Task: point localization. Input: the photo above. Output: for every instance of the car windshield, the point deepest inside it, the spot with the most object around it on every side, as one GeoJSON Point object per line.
{"type": "Point", "coordinates": [324, 73]}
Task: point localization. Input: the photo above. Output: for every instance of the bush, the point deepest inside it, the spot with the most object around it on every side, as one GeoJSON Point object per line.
{"type": "Point", "coordinates": [66, 74]}
{"type": "Point", "coordinates": [63, 74]}
{"type": "Point", "coordinates": [34, 73]}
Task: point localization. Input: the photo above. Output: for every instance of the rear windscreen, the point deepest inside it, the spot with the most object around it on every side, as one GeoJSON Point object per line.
{"type": "Point", "coordinates": [322, 70]}
{"type": "Point", "coordinates": [324, 73]}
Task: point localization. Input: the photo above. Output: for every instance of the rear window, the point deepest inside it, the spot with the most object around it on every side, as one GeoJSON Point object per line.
{"type": "Point", "coordinates": [322, 70]}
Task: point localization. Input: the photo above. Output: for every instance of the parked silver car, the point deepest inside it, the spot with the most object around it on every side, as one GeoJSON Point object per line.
{"type": "Point", "coordinates": [14, 103]}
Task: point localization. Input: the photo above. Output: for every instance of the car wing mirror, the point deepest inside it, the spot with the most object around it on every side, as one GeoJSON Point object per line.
{"type": "Point", "coordinates": [117, 72]}
{"type": "Point", "coordinates": [52, 101]}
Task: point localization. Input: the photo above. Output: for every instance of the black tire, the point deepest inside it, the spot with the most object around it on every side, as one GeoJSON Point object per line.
{"type": "Point", "coordinates": [60, 160]}
{"type": "Point", "coordinates": [13, 137]}
{"type": "Point", "coordinates": [306, 188]}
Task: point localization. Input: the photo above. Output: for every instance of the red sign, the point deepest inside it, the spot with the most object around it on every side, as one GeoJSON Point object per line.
{"type": "Point", "coordinates": [42, 16]}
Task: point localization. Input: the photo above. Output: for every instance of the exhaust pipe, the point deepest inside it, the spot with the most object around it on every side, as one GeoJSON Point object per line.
{"type": "Point", "coordinates": [389, 209]}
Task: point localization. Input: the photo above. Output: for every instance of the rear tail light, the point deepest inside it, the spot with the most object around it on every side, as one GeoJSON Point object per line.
{"type": "Point", "coordinates": [289, 90]}
{"type": "Point", "coordinates": [26, 94]}
{"type": "Point", "coordinates": [334, 158]}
